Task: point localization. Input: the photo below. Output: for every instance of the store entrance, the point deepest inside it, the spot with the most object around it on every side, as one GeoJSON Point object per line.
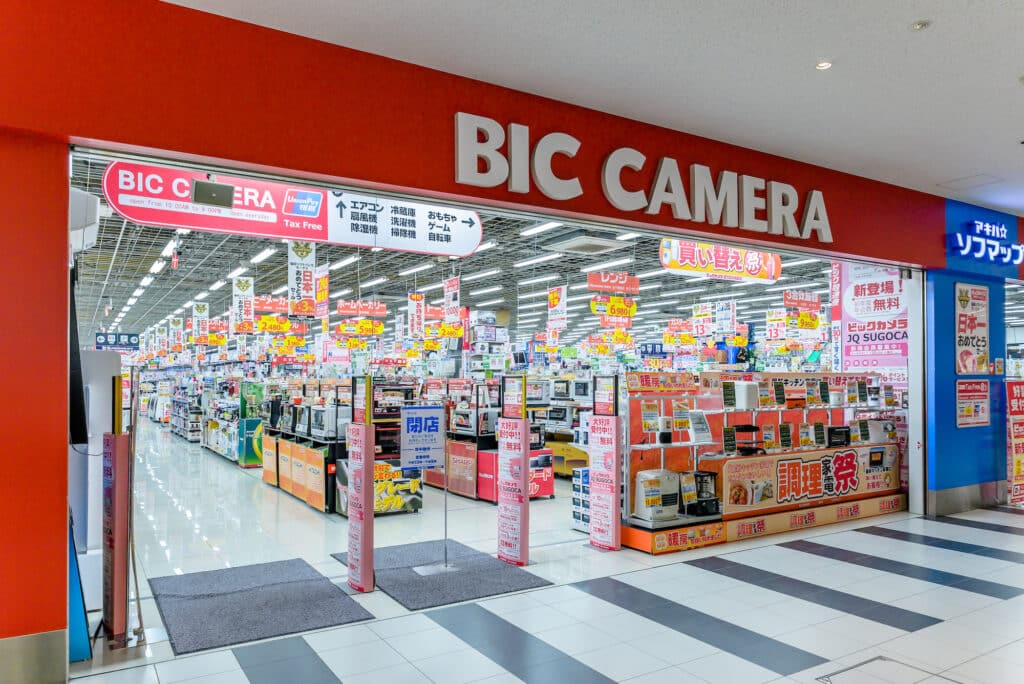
{"type": "Point", "coordinates": [254, 351]}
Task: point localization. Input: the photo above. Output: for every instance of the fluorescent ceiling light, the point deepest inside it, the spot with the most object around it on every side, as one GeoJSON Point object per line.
{"type": "Point", "coordinates": [578, 286]}
{"type": "Point", "coordinates": [761, 299]}
{"type": "Point", "coordinates": [670, 302]}
{"type": "Point", "coordinates": [532, 306]}
{"type": "Point", "coordinates": [157, 266]}
{"type": "Point", "coordinates": [126, 309]}
{"type": "Point", "coordinates": [673, 293]}
{"type": "Point", "coordinates": [577, 307]}
{"type": "Point", "coordinates": [823, 290]}
{"type": "Point", "coordinates": [280, 290]}
{"type": "Point", "coordinates": [607, 264]}
{"type": "Point", "coordinates": [495, 288]}
{"type": "Point", "coordinates": [484, 246]}
{"type": "Point", "coordinates": [344, 262]}
{"type": "Point", "coordinates": [537, 260]}
{"type": "Point", "coordinates": [416, 269]}
{"type": "Point", "coordinates": [627, 236]}
{"type": "Point", "coordinates": [138, 292]}
{"type": "Point", "coordinates": [183, 231]}
{"type": "Point", "coordinates": [576, 298]}
{"type": "Point", "coordinates": [539, 279]}
{"type": "Point", "coordinates": [338, 293]}
{"type": "Point", "coordinates": [745, 283]}
{"type": "Point", "coordinates": [540, 228]}
{"type": "Point", "coordinates": [147, 281]}
{"type": "Point", "coordinates": [437, 301]}
{"type": "Point", "coordinates": [729, 295]}
{"type": "Point", "coordinates": [489, 302]}
{"type": "Point", "coordinates": [376, 249]}
{"type": "Point", "coordinates": [428, 288]}
{"type": "Point", "coordinates": [262, 256]}
{"type": "Point", "coordinates": [179, 310]}
{"type": "Point", "coordinates": [375, 281]}
{"type": "Point", "coordinates": [651, 274]}
{"type": "Point", "coordinates": [532, 295]}
{"type": "Point", "coordinates": [237, 272]}
{"type": "Point", "coordinates": [799, 262]}
{"type": "Point", "coordinates": [649, 287]}
{"type": "Point", "coordinates": [188, 303]}
{"type": "Point", "coordinates": [131, 301]}
{"type": "Point", "coordinates": [169, 249]}
{"type": "Point", "coordinates": [202, 295]}
{"type": "Point", "coordinates": [479, 275]}
{"type": "Point", "coordinates": [219, 284]}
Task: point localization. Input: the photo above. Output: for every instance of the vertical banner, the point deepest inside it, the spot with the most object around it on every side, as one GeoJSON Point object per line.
{"type": "Point", "coordinates": [360, 506]}
{"type": "Point", "coordinates": [323, 291]}
{"type": "Point", "coordinates": [972, 351]}
{"type": "Point", "coordinates": [557, 307]}
{"type": "Point", "coordinates": [116, 497]}
{"type": "Point", "coordinates": [605, 482]}
{"type": "Point", "coordinates": [301, 276]}
{"type": "Point", "coordinates": [399, 330]}
{"type": "Point", "coordinates": [243, 311]}
{"type": "Point", "coordinates": [177, 332]}
{"type": "Point", "coordinates": [161, 340]}
{"type": "Point", "coordinates": [1015, 441]}
{"type": "Point", "coordinates": [451, 300]}
{"type": "Point", "coordinates": [513, 491]}
{"type": "Point", "coordinates": [200, 323]}
{"type": "Point", "coordinates": [417, 312]}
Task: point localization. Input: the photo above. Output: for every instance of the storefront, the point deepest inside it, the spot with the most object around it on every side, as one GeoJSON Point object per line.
{"type": "Point", "coordinates": [439, 138]}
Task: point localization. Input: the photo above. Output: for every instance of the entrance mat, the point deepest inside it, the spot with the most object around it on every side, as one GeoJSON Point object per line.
{"type": "Point", "coordinates": [412, 555]}
{"type": "Point", "coordinates": [476, 575]}
{"type": "Point", "coordinates": [216, 608]}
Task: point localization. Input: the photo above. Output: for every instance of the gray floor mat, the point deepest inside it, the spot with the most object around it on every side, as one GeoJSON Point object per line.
{"type": "Point", "coordinates": [216, 608]}
{"type": "Point", "coordinates": [412, 555]}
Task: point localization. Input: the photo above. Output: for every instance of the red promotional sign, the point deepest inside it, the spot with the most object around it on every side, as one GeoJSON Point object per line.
{"type": "Point", "coordinates": [218, 325]}
{"type": "Point", "coordinates": [680, 325]}
{"type": "Point", "coordinates": [362, 307]}
{"type": "Point", "coordinates": [434, 313]}
{"type": "Point", "coordinates": [801, 299]}
{"type": "Point", "coordinates": [616, 321]}
{"type": "Point", "coordinates": [270, 304]}
{"type": "Point", "coordinates": [162, 196]}
{"type": "Point", "coordinates": [391, 361]}
{"type": "Point", "coordinates": [616, 281]}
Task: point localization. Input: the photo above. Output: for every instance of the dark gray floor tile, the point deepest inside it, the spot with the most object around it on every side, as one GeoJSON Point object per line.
{"type": "Point", "coordinates": [940, 543]}
{"type": "Point", "coordinates": [307, 670]}
{"type": "Point", "coordinates": [269, 651]}
{"type": "Point", "coordinates": [978, 525]}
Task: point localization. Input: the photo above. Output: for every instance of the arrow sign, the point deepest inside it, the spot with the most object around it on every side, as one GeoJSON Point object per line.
{"type": "Point", "coordinates": [469, 222]}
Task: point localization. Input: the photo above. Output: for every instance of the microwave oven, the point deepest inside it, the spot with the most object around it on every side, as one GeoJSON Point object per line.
{"type": "Point", "coordinates": [560, 390]}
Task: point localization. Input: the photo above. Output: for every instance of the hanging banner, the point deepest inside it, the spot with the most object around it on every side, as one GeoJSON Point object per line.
{"type": "Point", "coordinates": [557, 307]}
{"type": "Point", "coordinates": [616, 282]}
{"type": "Point", "coordinates": [399, 329]}
{"type": "Point", "coordinates": [1015, 440]}
{"type": "Point", "coordinates": [323, 291]}
{"type": "Point", "coordinates": [273, 324]}
{"type": "Point", "coordinates": [513, 491]}
{"type": "Point", "coordinates": [416, 311]}
{"type": "Point", "coordinates": [301, 277]}
{"type": "Point", "coordinates": [612, 305]}
{"type": "Point", "coordinates": [802, 300]}
{"type": "Point", "coordinates": [177, 333]}
{"type": "Point", "coordinates": [616, 322]}
{"type": "Point", "coordinates": [775, 324]}
{"type": "Point", "coordinates": [719, 261]}
{"type": "Point", "coordinates": [161, 340]}
{"type": "Point", "coordinates": [243, 314]}
{"type": "Point", "coordinates": [451, 300]}
{"type": "Point", "coordinates": [270, 304]}
{"type": "Point", "coordinates": [217, 339]}
{"type": "Point", "coordinates": [422, 437]}
{"type": "Point", "coordinates": [363, 328]}
{"type": "Point", "coordinates": [153, 195]}
{"type": "Point", "coordinates": [218, 325]}
{"type": "Point", "coordinates": [972, 342]}
{"type": "Point", "coordinates": [872, 310]}
{"type": "Point", "coordinates": [703, 320]}
{"type": "Point", "coordinates": [972, 403]}
{"type": "Point", "coordinates": [200, 322]}
{"type": "Point", "coordinates": [725, 317]}
{"type": "Point", "coordinates": [605, 482]}
{"type": "Point", "coordinates": [433, 313]}
{"type": "Point", "coordinates": [362, 307]}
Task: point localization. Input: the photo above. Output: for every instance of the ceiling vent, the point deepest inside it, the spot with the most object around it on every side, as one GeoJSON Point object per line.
{"type": "Point", "coordinates": [583, 242]}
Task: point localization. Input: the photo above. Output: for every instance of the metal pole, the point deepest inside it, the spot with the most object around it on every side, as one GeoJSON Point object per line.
{"type": "Point", "coordinates": [447, 423]}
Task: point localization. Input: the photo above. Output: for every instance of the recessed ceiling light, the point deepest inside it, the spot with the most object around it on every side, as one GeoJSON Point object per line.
{"type": "Point", "coordinates": [823, 66]}
{"type": "Point", "coordinates": [920, 25]}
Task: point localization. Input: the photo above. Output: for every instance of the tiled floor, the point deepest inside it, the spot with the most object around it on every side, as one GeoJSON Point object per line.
{"type": "Point", "coordinates": [896, 599]}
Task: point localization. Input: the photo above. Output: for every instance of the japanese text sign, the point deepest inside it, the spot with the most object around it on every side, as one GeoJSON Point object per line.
{"type": "Point", "coordinates": [513, 490]}
{"type": "Point", "coordinates": [616, 282]}
{"type": "Point", "coordinates": [301, 278]}
{"type": "Point", "coordinates": [243, 312]}
{"type": "Point", "coordinates": [972, 335]}
{"type": "Point", "coordinates": [557, 307]}
{"type": "Point", "coordinates": [719, 261]}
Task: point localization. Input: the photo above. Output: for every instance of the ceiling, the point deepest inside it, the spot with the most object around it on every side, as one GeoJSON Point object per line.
{"type": "Point", "coordinates": [938, 110]}
{"type": "Point", "coordinates": [111, 273]}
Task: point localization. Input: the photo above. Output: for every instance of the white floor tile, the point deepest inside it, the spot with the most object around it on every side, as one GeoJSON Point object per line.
{"type": "Point", "coordinates": [339, 637]}
{"type": "Point", "coordinates": [135, 675]}
{"type": "Point", "coordinates": [629, 625]}
{"type": "Point", "coordinates": [622, 661]}
{"type": "Point", "coordinates": [458, 667]}
{"type": "Point", "coordinates": [670, 675]}
{"type": "Point", "coordinates": [419, 645]}
{"type": "Point", "coordinates": [402, 625]}
{"type": "Point", "coordinates": [577, 638]}
{"type": "Point", "coordinates": [360, 658]}
{"type": "Point", "coordinates": [539, 619]}
{"type": "Point", "coordinates": [233, 677]}
{"type": "Point", "coordinates": [821, 643]}
{"type": "Point", "coordinates": [553, 595]}
{"type": "Point", "coordinates": [724, 668]}
{"type": "Point", "coordinates": [404, 673]}
{"type": "Point", "coordinates": [984, 670]}
{"type": "Point", "coordinates": [181, 669]}
{"type": "Point", "coordinates": [587, 608]}
{"type": "Point", "coordinates": [673, 647]}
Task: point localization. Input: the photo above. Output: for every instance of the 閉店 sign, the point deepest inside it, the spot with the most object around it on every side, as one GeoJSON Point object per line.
{"type": "Point", "coordinates": [731, 200]}
{"type": "Point", "coordinates": [162, 196]}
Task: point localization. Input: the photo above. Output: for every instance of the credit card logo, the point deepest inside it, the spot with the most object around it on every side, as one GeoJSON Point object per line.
{"type": "Point", "coordinates": [302, 203]}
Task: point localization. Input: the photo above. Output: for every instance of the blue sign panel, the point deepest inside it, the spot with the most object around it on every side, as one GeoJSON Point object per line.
{"type": "Point", "coordinates": [422, 438]}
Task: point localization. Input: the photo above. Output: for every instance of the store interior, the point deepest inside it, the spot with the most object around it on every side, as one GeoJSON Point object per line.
{"type": "Point", "coordinates": [241, 454]}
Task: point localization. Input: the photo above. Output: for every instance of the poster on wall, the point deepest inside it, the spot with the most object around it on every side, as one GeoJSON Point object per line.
{"type": "Point", "coordinates": [1015, 440]}
{"type": "Point", "coordinates": [301, 277]}
{"type": "Point", "coordinates": [871, 308]}
{"type": "Point", "coordinates": [243, 311]}
{"type": "Point", "coordinates": [972, 403]}
{"type": "Point", "coordinates": [972, 341]}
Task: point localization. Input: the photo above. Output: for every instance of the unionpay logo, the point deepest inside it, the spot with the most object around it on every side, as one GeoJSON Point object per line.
{"type": "Point", "coordinates": [302, 203]}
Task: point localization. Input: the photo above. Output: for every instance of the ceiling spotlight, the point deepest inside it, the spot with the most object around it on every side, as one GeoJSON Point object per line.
{"type": "Point", "coordinates": [823, 66]}
{"type": "Point", "coordinates": [920, 25]}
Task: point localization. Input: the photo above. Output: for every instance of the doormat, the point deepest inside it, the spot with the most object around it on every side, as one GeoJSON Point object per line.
{"type": "Point", "coordinates": [216, 608]}
{"type": "Point", "coordinates": [476, 575]}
